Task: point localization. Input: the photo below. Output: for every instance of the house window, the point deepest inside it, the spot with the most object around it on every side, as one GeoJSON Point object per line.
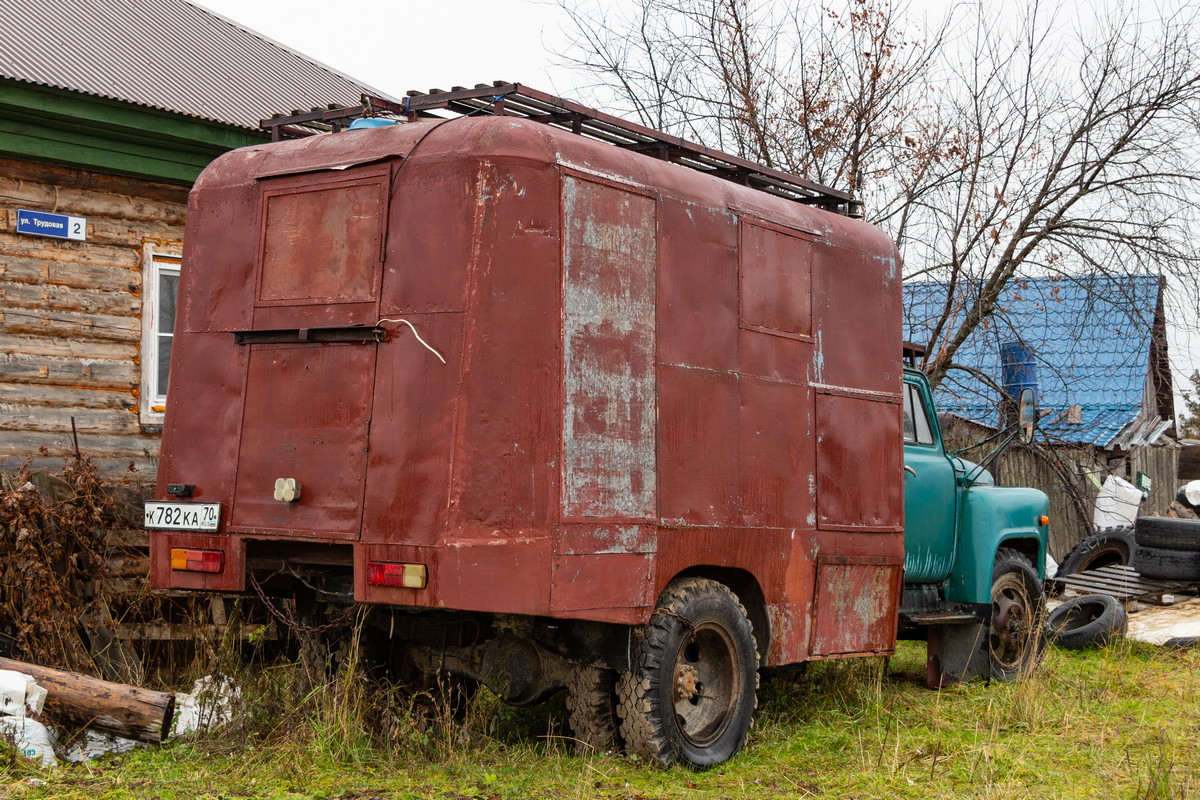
{"type": "Point", "coordinates": [160, 287]}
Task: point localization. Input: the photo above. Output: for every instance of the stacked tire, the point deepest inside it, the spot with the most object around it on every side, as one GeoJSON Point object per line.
{"type": "Point", "coordinates": [1167, 548]}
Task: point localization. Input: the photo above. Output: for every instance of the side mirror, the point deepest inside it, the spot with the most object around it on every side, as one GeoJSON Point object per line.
{"type": "Point", "coordinates": [1026, 416]}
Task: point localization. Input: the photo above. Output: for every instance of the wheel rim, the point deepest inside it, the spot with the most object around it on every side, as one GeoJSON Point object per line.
{"type": "Point", "coordinates": [1010, 628]}
{"type": "Point", "coordinates": [705, 691]}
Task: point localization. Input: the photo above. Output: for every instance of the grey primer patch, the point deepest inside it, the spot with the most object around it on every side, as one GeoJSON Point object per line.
{"type": "Point", "coordinates": [609, 264]}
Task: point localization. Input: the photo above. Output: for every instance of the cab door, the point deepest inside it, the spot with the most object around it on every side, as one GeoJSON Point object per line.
{"type": "Point", "coordinates": [930, 490]}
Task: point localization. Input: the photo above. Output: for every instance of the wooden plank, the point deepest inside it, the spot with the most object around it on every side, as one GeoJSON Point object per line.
{"type": "Point", "coordinates": [16, 246]}
{"type": "Point", "coordinates": [53, 298]}
{"type": "Point", "coordinates": [66, 348]}
{"type": "Point", "coordinates": [68, 371]}
{"type": "Point", "coordinates": [127, 537]}
{"type": "Point", "coordinates": [74, 186]}
{"type": "Point", "coordinates": [184, 633]}
{"type": "Point", "coordinates": [140, 471]}
{"type": "Point", "coordinates": [111, 446]}
{"type": "Point", "coordinates": [105, 277]}
{"type": "Point", "coordinates": [129, 566]}
{"type": "Point", "coordinates": [53, 418]}
{"type": "Point", "coordinates": [73, 324]}
{"type": "Point", "coordinates": [115, 231]}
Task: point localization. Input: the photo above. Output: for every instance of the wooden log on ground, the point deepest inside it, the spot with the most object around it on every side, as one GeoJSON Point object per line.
{"type": "Point", "coordinates": [127, 711]}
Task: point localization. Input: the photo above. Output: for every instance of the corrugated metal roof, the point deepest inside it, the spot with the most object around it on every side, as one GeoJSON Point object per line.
{"type": "Point", "coordinates": [166, 54]}
{"type": "Point", "coordinates": [1091, 338]}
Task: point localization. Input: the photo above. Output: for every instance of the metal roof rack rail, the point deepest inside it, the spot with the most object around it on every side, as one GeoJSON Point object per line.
{"type": "Point", "coordinates": [515, 100]}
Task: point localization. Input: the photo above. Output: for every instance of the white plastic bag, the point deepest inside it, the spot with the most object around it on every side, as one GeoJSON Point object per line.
{"type": "Point", "coordinates": [20, 694]}
{"type": "Point", "coordinates": [209, 705]}
{"type": "Point", "coordinates": [1117, 504]}
{"type": "Point", "coordinates": [32, 739]}
{"type": "Point", "coordinates": [92, 745]}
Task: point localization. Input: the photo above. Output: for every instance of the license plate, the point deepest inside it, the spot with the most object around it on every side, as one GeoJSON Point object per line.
{"type": "Point", "coordinates": [183, 516]}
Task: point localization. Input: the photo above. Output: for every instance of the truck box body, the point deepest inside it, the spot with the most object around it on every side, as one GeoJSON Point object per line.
{"type": "Point", "coordinates": [648, 372]}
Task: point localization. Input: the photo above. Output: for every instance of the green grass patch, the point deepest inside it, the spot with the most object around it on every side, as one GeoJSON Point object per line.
{"type": "Point", "coordinates": [1119, 722]}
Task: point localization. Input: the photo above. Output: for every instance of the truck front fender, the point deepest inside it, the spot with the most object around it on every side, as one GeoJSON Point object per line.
{"type": "Point", "coordinates": [994, 517]}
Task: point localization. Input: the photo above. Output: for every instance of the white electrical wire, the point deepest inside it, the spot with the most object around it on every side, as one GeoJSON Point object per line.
{"type": "Point", "coordinates": [414, 330]}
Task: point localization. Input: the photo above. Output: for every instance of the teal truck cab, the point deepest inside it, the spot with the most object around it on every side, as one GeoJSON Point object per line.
{"type": "Point", "coordinates": [974, 555]}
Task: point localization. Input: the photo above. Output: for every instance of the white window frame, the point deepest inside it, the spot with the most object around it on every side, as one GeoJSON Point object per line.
{"type": "Point", "coordinates": [157, 258]}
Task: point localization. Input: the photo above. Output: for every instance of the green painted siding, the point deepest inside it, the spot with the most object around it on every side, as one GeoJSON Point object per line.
{"type": "Point", "coordinates": [94, 133]}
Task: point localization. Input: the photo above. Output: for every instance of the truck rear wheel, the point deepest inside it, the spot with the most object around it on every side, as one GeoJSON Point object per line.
{"type": "Point", "coordinates": [1014, 633]}
{"type": "Point", "coordinates": [592, 707]}
{"type": "Point", "coordinates": [690, 693]}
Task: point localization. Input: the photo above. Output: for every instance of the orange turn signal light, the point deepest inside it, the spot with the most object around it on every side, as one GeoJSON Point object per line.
{"type": "Point", "coordinates": [1043, 520]}
{"type": "Point", "coordinates": [186, 560]}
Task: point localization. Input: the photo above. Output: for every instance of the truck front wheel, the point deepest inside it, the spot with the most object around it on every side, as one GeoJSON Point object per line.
{"type": "Point", "coordinates": [1014, 634]}
{"type": "Point", "coordinates": [689, 695]}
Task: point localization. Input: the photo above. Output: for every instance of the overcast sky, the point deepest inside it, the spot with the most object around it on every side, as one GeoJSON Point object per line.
{"type": "Point", "coordinates": [397, 46]}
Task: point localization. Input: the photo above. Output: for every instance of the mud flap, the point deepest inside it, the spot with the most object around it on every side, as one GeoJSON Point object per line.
{"type": "Point", "coordinates": [956, 653]}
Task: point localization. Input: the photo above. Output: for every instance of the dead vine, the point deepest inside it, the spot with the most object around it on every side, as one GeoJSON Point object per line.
{"type": "Point", "coordinates": [53, 532]}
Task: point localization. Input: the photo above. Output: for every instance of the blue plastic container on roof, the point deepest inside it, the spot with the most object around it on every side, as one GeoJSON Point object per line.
{"type": "Point", "coordinates": [370, 122]}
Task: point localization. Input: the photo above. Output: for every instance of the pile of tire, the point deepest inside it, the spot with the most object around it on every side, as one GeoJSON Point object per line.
{"type": "Point", "coordinates": [1167, 548]}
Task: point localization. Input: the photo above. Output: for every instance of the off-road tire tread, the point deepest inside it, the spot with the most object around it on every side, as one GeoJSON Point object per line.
{"type": "Point", "coordinates": [1036, 612]}
{"type": "Point", "coordinates": [635, 703]}
{"type": "Point", "coordinates": [1106, 539]}
{"type": "Point", "coordinates": [1177, 565]}
{"type": "Point", "coordinates": [592, 710]}
{"type": "Point", "coordinates": [1168, 533]}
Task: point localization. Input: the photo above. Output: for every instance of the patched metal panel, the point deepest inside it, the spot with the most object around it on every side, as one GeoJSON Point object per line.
{"type": "Point", "coordinates": [856, 606]}
{"type": "Point", "coordinates": [319, 441]}
{"type": "Point", "coordinates": [775, 276]}
{"type": "Point", "coordinates": [610, 255]}
{"type": "Point", "coordinates": [698, 447]}
{"type": "Point", "coordinates": [859, 455]}
{"type": "Point", "coordinates": [322, 243]}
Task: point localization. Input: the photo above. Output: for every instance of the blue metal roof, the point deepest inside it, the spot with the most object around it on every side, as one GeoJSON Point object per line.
{"type": "Point", "coordinates": [1090, 336]}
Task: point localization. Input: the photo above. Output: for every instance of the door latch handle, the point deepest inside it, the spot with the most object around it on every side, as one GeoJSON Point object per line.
{"type": "Point", "coordinates": [907, 468]}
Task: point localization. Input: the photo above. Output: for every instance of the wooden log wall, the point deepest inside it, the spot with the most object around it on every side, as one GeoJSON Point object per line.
{"type": "Point", "coordinates": [1062, 473]}
{"type": "Point", "coordinates": [70, 316]}
{"type": "Point", "coordinates": [1161, 463]}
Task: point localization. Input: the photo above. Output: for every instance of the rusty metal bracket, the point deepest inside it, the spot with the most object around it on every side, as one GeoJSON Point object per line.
{"type": "Point", "coordinates": [353, 333]}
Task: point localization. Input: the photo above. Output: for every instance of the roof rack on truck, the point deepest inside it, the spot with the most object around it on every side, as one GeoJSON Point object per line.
{"type": "Point", "coordinates": [514, 99]}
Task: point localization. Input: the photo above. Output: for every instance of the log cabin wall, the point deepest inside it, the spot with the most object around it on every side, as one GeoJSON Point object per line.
{"type": "Point", "coordinates": [71, 317]}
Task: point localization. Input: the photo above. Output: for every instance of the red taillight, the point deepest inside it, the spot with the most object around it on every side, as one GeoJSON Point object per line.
{"type": "Point", "coordinates": [386, 573]}
{"type": "Point", "coordinates": [197, 560]}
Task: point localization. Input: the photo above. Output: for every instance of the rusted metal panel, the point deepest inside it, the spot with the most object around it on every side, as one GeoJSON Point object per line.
{"type": "Point", "coordinates": [506, 448]}
{"type": "Point", "coordinates": [307, 408]}
{"type": "Point", "coordinates": [602, 539]}
{"type": "Point", "coordinates": [856, 307]}
{"type": "Point", "coordinates": [210, 430]}
{"type": "Point", "coordinates": [699, 448]}
{"type": "Point", "coordinates": [698, 286]}
{"type": "Point", "coordinates": [778, 475]}
{"type": "Point", "coordinates": [322, 243]}
{"type": "Point", "coordinates": [855, 607]}
{"type": "Point", "coordinates": [776, 282]}
{"type": "Point", "coordinates": [610, 259]}
{"type": "Point", "coordinates": [858, 459]}
{"type": "Point", "coordinates": [589, 582]}
{"type": "Point", "coordinates": [412, 428]}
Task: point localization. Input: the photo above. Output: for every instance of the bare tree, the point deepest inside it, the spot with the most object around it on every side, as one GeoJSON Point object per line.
{"type": "Point", "coordinates": [990, 149]}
